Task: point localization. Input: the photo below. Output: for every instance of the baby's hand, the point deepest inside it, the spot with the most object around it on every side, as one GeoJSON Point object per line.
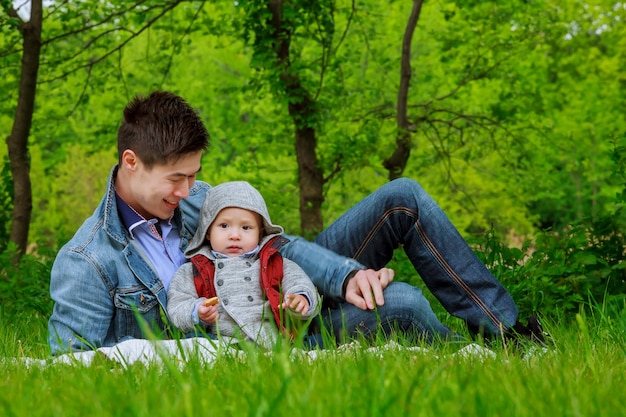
{"type": "Point", "coordinates": [296, 302]}
{"type": "Point", "coordinates": [207, 311]}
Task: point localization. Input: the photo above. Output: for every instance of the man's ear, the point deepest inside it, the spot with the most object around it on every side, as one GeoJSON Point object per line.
{"type": "Point", "coordinates": [130, 160]}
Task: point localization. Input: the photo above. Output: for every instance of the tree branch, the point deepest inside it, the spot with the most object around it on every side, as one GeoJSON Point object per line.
{"type": "Point", "coordinates": [177, 44]}
{"type": "Point", "coordinates": [104, 56]}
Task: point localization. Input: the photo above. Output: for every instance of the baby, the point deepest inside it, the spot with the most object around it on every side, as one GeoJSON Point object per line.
{"type": "Point", "coordinates": [234, 258]}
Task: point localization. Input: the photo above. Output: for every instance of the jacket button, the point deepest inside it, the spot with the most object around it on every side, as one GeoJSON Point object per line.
{"type": "Point", "coordinates": [220, 265]}
{"type": "Point", "coordinates": [220, 282]}
{"type": "Point", "coordinates": [247, 279]}
{"type": "Point", "coordinates": [225, 302]}
{"type": "Point", "coordinates": [250, 298]}
{"type": "Point", "coordinates": [248, 264]}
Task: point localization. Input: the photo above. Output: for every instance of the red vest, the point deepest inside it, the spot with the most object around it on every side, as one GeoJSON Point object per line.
{"type": "Point", "coordinates": [271, 275]}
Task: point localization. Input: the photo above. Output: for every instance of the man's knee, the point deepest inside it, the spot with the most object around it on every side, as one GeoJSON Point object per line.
{"type": "Point", "coordinates": [405, 193]}
{"type": "Point", "coordinates": [403, 299]}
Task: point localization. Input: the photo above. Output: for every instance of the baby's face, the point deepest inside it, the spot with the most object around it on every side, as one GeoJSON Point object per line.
{"type": "Point", "coordinates": [235, 231]}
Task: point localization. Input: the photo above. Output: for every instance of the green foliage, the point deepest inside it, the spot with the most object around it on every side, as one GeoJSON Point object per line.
{"type": "Point", "coordinates": [10, 45]}
{"type": "Point", "coordinates": [524, 73]}
{"type": "Point", "coordinates": [612, 315]}
{"type": "Point", "coordinates": [562, 269]}
{"type": "Point", "coordinates": [573, 94]}
{"type": "Point", "coordinates": [543, 82]}
{"type": "Point", "coordinates": [567, 266]}
{"type": "Point", "coordinates": [24, 288]}
{"type": "Point", "coordinates": [618, 156]}
{"type": "Point", "coordinates": [583, 374]}
{"type": "Point", "coordinates": [6, 202]}
{"type": "Point", "coordinates": [60, 206]}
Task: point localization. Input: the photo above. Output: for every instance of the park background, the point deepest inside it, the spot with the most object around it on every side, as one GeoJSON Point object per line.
{"type": "Point", "coordinates": [509, 113]}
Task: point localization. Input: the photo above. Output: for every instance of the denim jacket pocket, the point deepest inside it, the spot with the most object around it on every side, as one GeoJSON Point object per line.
{"type": "Point", "coordinates": [137, 310]}
{"type": "Point", "coordinates": [135, 298]}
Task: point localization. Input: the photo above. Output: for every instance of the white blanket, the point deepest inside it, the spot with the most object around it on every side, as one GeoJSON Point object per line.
{"type": "Point", "coordinates": [206, 351]}
{"type": "Point", "coordinates": [144, 351]}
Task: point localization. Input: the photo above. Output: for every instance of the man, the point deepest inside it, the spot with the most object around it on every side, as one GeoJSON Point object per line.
{"type": "Point", "coordinates": [109, 282]}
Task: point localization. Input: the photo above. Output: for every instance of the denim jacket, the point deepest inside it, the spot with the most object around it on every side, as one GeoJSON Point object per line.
{"type": "Point", "coordinates": [106, 290]}
{"type": "Point", "coordinates": [104, 287]}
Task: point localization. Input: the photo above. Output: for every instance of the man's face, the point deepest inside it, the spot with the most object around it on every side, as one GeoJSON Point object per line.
{"type": "Point", "coordinates": [156, 192]}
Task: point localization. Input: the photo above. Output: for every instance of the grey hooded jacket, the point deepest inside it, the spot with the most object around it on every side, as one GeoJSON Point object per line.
{"type": "Point", "coordinates": [244, 311]}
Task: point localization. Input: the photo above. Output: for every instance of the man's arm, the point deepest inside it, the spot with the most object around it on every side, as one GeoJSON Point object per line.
{"type": "Point", "coordinates": [327, 270]}
{"type": "Point", "coordinates": [83, 307]}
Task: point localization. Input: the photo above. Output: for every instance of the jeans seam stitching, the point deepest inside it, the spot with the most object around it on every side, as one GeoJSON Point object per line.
{"type": "Point", "coordinates": [379, 224]}
{"type": "Point", "coordinates": [479, 302]}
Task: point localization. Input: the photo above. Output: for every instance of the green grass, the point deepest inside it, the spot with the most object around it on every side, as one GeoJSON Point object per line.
{"type": "Point", "coordinates": [584, 374]}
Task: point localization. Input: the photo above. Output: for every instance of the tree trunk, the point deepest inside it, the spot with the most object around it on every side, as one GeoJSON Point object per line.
{"type": "Point", "coordinates": [310, 177]}
{"type": "Point", "coordinates": [396, 163]}
{"type": "Point", "coordinates": [302, 111]}
{"type": "Point", "coordinates": [17, 142]}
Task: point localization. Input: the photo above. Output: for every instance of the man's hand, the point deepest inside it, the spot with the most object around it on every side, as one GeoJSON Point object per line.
{"type": "Point", "coordinates": [365, 288]}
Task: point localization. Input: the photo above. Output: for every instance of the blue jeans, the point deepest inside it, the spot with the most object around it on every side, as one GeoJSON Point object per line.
{"type": "Point", "coordinates": [402, 214]}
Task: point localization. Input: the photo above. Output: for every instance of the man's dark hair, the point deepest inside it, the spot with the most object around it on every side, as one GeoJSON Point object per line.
{"type": "Point", "coordinates": [160, 128]}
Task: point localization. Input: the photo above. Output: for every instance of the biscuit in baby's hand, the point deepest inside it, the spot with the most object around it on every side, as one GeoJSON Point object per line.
{"type": "Point", "coordinates": [211, 301]}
